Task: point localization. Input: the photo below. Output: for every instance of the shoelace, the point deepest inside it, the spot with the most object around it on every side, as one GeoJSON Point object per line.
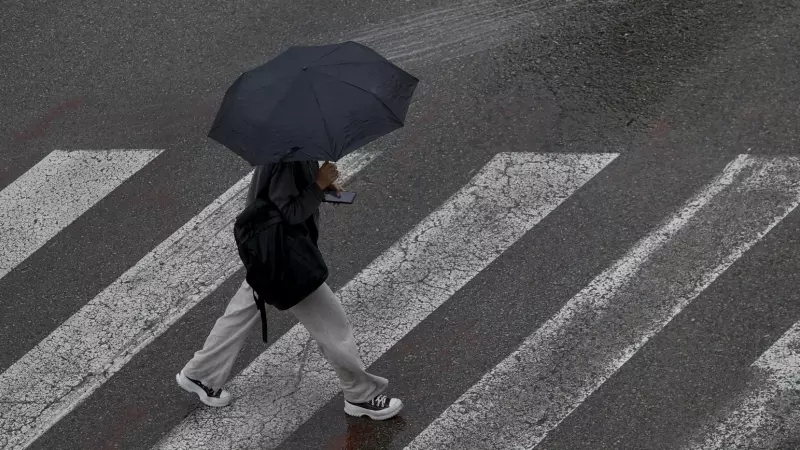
{"type": "Point", "coordinates": [379, 401]}
{"type": "Point", "coordinates": [210, 392]}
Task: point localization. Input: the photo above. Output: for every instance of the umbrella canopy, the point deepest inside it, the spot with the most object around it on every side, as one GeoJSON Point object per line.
{"type": "Point", "coordinates": [313, 103]}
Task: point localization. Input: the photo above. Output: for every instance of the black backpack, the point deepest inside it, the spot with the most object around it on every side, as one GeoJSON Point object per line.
{"type": "Point", "coordinates": [283, 264]}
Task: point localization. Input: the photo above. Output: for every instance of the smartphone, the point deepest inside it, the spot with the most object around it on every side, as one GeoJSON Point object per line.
{"type": "Point", "coordinates": [339, 197]}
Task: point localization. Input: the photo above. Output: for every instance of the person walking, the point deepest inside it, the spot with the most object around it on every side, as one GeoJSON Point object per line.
{"type": "Point", "coordinates": [296, 189]}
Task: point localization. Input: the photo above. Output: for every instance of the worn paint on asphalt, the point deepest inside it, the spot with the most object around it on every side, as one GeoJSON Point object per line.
{"type": "Point", "coordinates": [454, 31]}
{"type": "Point", "coordinates": [55, 192]}
{"type": "Point", "coordinates": [766, 416]}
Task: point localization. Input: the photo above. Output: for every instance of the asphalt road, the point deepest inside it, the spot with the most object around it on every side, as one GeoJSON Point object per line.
{"type": "Point", "coordinates": [678, 89]}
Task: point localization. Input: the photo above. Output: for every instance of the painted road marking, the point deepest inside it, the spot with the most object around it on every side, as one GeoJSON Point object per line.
{"type": "Point", "coordinates": [55, 192]}
{"type": "Point", "coordinates": [767, 415]}
{"type": "Point", "coordinates": [287, 383]}
{"type": "Point", "coordinates": [97, 341]}
{"type": "Point", "coordinates": [452, 31]}
{"type": "Point", "coordinates": [529, 393]}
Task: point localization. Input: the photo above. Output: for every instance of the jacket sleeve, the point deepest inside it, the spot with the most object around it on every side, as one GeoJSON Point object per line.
{"type": "Point", "coordinates": [295, 206]}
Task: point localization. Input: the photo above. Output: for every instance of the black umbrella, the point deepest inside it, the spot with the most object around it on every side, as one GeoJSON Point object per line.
{"type": "Point", "coordinates": [313, 103]}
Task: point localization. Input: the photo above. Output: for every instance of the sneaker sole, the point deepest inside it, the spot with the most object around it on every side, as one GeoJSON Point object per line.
{"type": "Point", "coordinates": [190, 387]}
{"type": "Point", "coordinates": [355, 411]}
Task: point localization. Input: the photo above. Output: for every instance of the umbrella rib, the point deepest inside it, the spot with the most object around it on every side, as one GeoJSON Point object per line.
{"type": "Point", "coordinates": [324, 122]}
{"type": "Point", "coordinates": [394, 116]}
{"type": "Point", "coordinates": [338, 47]}
{"type": "Point", "coordinates": [280, 100]}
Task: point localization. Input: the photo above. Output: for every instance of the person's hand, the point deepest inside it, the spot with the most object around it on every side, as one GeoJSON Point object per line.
{"type": "Point", "coordinates": [336, 186]}
{"type": "Point", "coordinates": [328, 173]}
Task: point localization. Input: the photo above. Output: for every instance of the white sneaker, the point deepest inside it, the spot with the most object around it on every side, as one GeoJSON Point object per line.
{"type": "Point", "coordinates": [379, 408]}
{"type": "Point", "coordinates": [217, 398]}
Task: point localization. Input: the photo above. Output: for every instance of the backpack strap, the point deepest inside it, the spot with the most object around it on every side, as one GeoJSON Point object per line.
{"type": "Point", "coordinates": [262, 309]}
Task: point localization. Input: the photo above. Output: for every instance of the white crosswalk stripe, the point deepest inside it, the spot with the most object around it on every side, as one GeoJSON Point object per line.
{"type": "Point", "coordinates": [767, 415]}
{"type": "Point", "coordinates": [392, 295]}
{"type": "Point", "coordinates": [530, 392]}
{"type": "Point", "coordinates": [55, 192]}
{"type": "Point", "coordinates": [88, 348]}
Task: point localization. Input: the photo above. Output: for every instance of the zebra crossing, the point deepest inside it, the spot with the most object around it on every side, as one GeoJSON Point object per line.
{"type": "Point", "coordinates": [561, 364]}
{"type": "Point", "coordinates": [514, 405]}
{"type": "Point", "coordinates": [96, 341]}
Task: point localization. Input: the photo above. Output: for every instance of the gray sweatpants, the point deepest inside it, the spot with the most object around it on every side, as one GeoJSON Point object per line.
{"type": "Point", "coordinates": [324, 318]}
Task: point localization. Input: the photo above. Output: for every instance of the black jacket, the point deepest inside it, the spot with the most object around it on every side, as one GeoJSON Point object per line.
{"type": "Point", "coordinates": [297, 197]}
